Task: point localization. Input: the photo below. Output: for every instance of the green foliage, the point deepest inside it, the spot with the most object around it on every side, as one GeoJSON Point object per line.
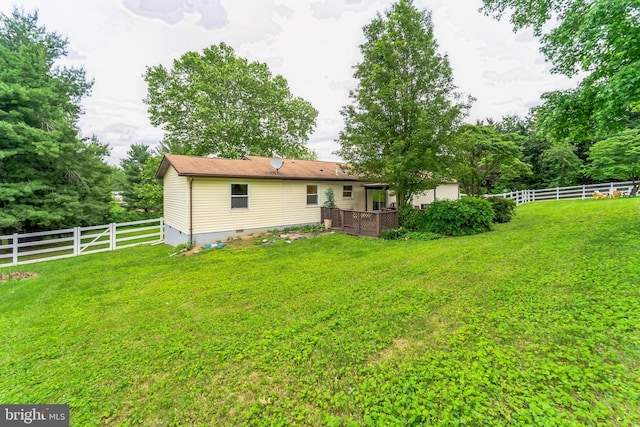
{"type": "Point", "coordinates": [119, 214]}
{"type": "Point", "coordinates": [149, 191]}
{"type": "Point", "coordinates": [132, 166]}
{"type": "Point", "coordinates": [617, 157]}
{"type": "Point", "coordinates": [410, 218]}
{"type": "Point", "coordinates": [597, 38]}
{"type": "Point", "coordinates": [469, 215]}
{"type": "Point", "coordinates": [503, 209]}
{"type": "Point", "coordinates": [561, 165]}
{"type": "Point", "coordinates": [49, 177]}
{"type": "Point", "coordinates": [482, 156]}
{"type": "Point", "coordinates": [402, 233]}
{"type": "Point", "coordinates": [330, 201]}
{"type": "Point", "coordinates": [405, 106]}
{"type": "Point", "coordinates": [536, 323]}
{"type": "Point", "coordinates": [309, 228]}
{"type": "Point", "coordinates": [218, 103]}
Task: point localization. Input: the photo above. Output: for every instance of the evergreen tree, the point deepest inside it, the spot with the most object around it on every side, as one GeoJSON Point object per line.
{"type": "Point", "coordinates": [133, 166]}
{"type": "Point", "coordinates": [49, 178]}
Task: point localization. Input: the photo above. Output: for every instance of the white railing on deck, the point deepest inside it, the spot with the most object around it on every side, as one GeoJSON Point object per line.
{"type": "Point", "coordinates": [27, 248]}
{"type": "Point", "coordinates": [567, 193]}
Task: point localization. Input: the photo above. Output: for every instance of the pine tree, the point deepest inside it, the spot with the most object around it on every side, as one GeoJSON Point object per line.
{"type": "Point", "coordinates": [49, 178]}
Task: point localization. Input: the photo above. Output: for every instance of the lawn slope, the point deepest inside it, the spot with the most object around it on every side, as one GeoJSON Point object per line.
{"type": "Point", "coordinates": [535, 323]}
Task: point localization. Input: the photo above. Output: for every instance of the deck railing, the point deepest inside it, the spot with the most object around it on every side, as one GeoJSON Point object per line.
{"type": "Point", "coordinates": [361, 223]}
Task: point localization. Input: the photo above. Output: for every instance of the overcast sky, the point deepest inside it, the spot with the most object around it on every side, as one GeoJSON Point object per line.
{"type": "Point", "coordinates": [312, 43]}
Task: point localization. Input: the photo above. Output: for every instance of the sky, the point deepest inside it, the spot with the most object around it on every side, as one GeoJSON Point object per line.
{"type": "Point", "coordinates": [313, 44]}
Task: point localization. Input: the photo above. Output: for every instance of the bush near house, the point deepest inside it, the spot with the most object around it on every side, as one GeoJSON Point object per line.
{"type": "Point", "coordinates": [469, 215]}
{"type": "Point", "coordinates": [503, 209]}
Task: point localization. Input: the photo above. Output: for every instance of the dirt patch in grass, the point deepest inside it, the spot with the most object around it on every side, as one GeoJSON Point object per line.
{"type": "Point", "coordinates": [18, 275]}
{"type": "Point", "coordinates": [258, 239]}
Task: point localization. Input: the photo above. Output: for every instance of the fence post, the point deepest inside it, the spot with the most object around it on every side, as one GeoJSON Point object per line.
{"type": "Point", "coordinates": [161, 229]}
{"type": "Point", "coordinates": [112, 236]}
{"type": "Point", "coordinates": [534, 195]}
{"type": "Point", "coordinates": [76, 241]}
{"type": "Point", "coordinates": [611, 189]}
{"type": "Point", "coordinates": [557, 193]}
{"type": "Point", "coordinates": [584, 191]}
{"type": "Point", "coordinates": [15, 249]}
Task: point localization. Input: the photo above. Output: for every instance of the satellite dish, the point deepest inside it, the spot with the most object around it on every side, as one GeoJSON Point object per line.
{"type": "Point", "coordinates": [276, 164]}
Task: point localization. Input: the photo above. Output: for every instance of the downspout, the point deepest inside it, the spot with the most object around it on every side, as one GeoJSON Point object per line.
{"type": "Point", "coordinates": [191, 211]}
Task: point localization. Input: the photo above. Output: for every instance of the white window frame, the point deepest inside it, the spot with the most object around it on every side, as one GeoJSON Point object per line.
{"type": "Point", "coordinates": [350, 191]}
{"type": "Point", "coordinates": [317, 194]}
{"type": "Point", "coordinates": [232, 196]}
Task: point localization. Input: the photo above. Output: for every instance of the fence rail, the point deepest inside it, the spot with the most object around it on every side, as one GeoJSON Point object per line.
{"type": "Point", "coordinates": [567, 193]}
{"type": "Point", "coordinates": [28, 248]}
{"type": "Point", "coordinates": [361, 223]}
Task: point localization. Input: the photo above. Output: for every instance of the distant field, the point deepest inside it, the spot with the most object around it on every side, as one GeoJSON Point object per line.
{"type": "Point", "coordinates": [535, 323]}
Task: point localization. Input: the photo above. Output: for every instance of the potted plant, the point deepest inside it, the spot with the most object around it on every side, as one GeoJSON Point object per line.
{"type": "Point", "coordinates": [330, 203]}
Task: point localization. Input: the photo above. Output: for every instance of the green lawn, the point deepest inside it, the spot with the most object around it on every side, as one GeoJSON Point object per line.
{"type": "Point", "coordinates": [535, 323]}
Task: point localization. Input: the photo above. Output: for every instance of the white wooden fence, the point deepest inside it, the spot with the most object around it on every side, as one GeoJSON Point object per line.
{"type": "Point", "coordinates": [27, 248]}
{"type": "Point", "coordinates": [567, 193]}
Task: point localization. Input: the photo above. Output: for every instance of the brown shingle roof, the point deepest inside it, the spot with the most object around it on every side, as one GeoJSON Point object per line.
{"type": "Point", "coordinates": [254, 167]}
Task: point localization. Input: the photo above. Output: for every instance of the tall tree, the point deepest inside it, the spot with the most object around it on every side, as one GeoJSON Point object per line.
{"type": "Point", "coordinates": [220, 104]}
{"type": "Point", "coordinates": [482, 157]}
{"type": "Point", "coordinates": [49, 178]}
{"type": "Point", "coordinates": [561, 165]}
{"type": "Point", "coordinates": [405, 107]}
{"type": "Point", "coordinates": [596, 38]}
{"type": "Point", "coordinates": [133, 166]}
{"type": "Point", "coordinates": [617, 157]}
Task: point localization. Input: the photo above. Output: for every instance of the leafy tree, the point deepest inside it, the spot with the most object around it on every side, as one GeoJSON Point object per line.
{"type": "Point", "coordinates": [561, 165]}
{"type": "Point", "coordinates": [617, 157]}
{"type": "Point", "coordinates": [597, 38]}
{"type": "Point", "coordinates": [533, 145]}
{"type": "Point", "coordinates": [132, 166]}
{"type": "Point", "coordinates": [405, 107]}
{"type": "Point", "coordinates": [49, 178]}
{"type": "Point", "coordinates": [482, 157]}
{"type": "Point", "coordinates": [216, 103]}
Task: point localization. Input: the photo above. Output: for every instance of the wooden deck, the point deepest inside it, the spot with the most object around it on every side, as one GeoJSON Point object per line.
{"type": "Point", "coordinates": [360, 223]}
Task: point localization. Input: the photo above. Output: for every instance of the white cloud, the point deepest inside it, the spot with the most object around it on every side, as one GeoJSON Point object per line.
{"type": "Point", "coordinates": [313, 44]}
{"type": "Point", "coordinates": [212, 14]}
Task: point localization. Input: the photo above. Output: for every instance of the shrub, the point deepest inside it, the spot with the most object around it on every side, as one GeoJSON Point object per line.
{"type": "Point", "coordinates": [119, 214]}
{"type": "Point", "coordinates": [411, 219]}
{"type": "Point", "coordinates": [469, 215]}
{"type": "Point", "coordinates": [404, 234]}
{"type": "Point", "coordinates": [503, 209]}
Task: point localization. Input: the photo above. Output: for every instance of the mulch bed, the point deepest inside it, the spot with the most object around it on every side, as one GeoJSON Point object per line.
{"type": "Point", "coordinates": [18, 275]}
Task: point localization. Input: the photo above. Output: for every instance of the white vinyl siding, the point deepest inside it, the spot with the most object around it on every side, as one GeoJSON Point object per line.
{"type": "Point", "coordinates": [176, 200]}
{"type": "Point", "coordinates": [273, 203]}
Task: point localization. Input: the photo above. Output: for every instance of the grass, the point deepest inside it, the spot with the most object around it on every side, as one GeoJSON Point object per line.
{"type": "Point", "coordinates": [535, 323]}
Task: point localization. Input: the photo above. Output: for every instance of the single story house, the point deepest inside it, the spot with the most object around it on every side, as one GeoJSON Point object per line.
{"type": "Point", "coordinates": [208, 199]}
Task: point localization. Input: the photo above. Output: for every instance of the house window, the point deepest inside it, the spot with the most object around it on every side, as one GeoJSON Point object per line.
{"type": "Point", "coordinates": [239, 196]}
{"type": "Point", "coordinates": [312, 195]}
{"type": "Point", "coordinates": [347, 191]}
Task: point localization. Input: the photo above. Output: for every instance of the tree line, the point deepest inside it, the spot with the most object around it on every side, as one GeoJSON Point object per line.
{"type": "Point", "coordinates": [404, 124]}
